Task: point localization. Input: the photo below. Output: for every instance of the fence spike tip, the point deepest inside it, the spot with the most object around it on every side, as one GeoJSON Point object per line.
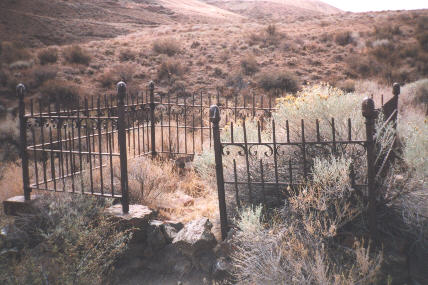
{"type": "Point", "coordinates": [214, 114]}
{"type": "Point", "coordinates": [151, 85]}
{"type": "Point", "coordinates": [20, 89]}
{"type": "Point", "coordinates": [396, 89]}
{"type": "Point", "coordinates": [368, 107]}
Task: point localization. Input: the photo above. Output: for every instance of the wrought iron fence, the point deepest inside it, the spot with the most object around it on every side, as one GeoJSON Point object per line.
{"type": "Point", "coordinates": [268, 171]}
{"type": "Point", "coordinates": [83, 146]}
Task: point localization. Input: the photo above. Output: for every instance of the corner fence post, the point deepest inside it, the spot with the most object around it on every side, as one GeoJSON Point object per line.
{"type": "Point", "coordinates": [152, 118]}
{"type": "Point", "coordinates": [215, 120]}
{"type": "Point", "coordinates": [368, 110]}
{"type": "Point", "coordinates": [396, 92]}
{"type": "Point", "coordinates": [121, 93]}
{"type": "Point", "coordinates": [20, 91]}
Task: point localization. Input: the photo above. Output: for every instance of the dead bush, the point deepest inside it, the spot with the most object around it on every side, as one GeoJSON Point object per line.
{"type": "Point", "coordinates": [127, 55]}
{"type": "Point", "coordinates": [167, 46]}
{"type": "Point", "coordinates": [343, 38]}
{"type": "Point", "coordinates": [11, 52]}
{"type": "Point", "coordinates": [42, 74]}
{"type": "Point", "coordinates": [65, 240]}
{"type": "Point", "coordinates": [3, 77]}
{"type": "Point", "coordinates": [249, 65]}
{"type": "Point", "coordinates": [120, 72]}
{"type": "Point", "coordinates": [76, 54]}
{"type": "Point", "coordinates": [279, 80]}
{"type": "Point", "coordinates": [423, 40]}
{"type": "Point", "coordinates": [61, 91]}
{"type": "Point", "coordinates": [170, 68]}
{"type": "Point", "coordinates": [21, 64]}
{"type": "Point", "coordinates": [386, 31]}
{"type": "Point", "coordinates": [347, 85]}
{"type": "Point", "coordinates": [48, 55]}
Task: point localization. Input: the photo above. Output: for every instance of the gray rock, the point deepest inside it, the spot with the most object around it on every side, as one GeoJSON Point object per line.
{"type": "Point", "coordinates": [155, 235]}
{"type": "Point", "coordinates": [221, 268]}
{"type": "Point", "coordinates": [183, 266]}
{"type": "Point", "coordinates": [194, 237]}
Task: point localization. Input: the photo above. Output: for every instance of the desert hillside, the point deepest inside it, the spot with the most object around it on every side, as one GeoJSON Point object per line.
{"type": "Point", "coordinates": [46, 22]}
{"type": "Point", "coordinates": [276, 10]}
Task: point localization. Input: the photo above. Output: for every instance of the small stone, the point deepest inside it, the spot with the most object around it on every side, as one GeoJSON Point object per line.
{"type": "Point", "coordinates": [194, 237]}
{"type": "Point", "coordinates": [138, 215]}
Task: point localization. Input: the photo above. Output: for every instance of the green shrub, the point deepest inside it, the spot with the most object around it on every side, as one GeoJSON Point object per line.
{"type": "Point", "coordinates": [76, 54]}
{"type": "Point", "coordinates": [65, 240]}
{"type": "Point", "coordinates": [249, 65]}
{"type": "Point", "coordinates": [49, 55]}
{"type": "Point", "coordinates": [279, 80]}
{"type": "Point", "coordinates": [168, 46]}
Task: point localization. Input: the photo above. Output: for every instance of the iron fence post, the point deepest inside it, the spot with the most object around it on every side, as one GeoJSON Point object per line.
{"type": "Point", "coordinates": [152, 118]}
{"type": "Point", "coordinates": [368, 110]}
{"type": "Point", "coordinates": [215, 120]}
{"type": "Point", "coordinates": [20, 91]}
{"type": "Point", "coordinates": [121, 93]}
{"type": "Point", "coordinates": [396, 92]}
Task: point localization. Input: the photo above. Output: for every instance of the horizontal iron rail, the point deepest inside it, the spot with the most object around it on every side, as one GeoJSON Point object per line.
{"type": "Point", "coordinates": [66, 176]}
{"type": "Point", "coordinates": [361, 142]}
{"type": "Point", "coordinates": [76, 192]}
{"type": "Point", "coordinates": [66, 151]}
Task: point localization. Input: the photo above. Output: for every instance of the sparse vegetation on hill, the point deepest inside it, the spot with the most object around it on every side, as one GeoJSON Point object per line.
{"type": "Point", "coordinates": [76, 54]}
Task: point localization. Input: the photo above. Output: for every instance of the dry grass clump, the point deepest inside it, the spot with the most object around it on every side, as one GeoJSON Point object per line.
{"type": "Point", "coordinates": [267, 37]}
{"type": "Point", "coordinates": [298, 244]}
{"type": "Point", "coordinates": [182, 196]}
{"type": "Point", "coordinates": [10, 179]}
{"type": "Point", "coordinates": [21, 64]}
{"type": "Point", "coordinates": [76, 54]}
{"type": "Point", "coordinates": [65, 240]}
{"type": "Point", "coordinates": [11, 52]}
{"type": "Point", "coordinates": [347, 85]}
{"type": "Point", "coordinates": [343, 38]}
{"type": "Point", "coordinates": [168, 46]}
{"type": "Point", "coordinates": [48, 55]}
{"type": "Point", "coordinates": [279, 80]}
{"type": "Point", "coordinates": [120, 72]}
{"type": "Point", "coordinates": [170, 68]}
{"type": "Point", "coordinates": [127, 55]}
{"type": "Point", "coordinates": [64, 92]}
{"type": "Point", "coordinates": [42, 74]}
{"type": "Point", "coordinates": [249, 65]}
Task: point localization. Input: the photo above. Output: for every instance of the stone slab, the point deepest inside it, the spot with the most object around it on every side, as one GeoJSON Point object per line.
{"type": "Point", "coordinates": [17, 205]}
{"type": "Point", "coordinates": [138, 215]}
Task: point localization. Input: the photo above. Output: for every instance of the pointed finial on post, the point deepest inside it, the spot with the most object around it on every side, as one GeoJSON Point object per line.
{"type": "Point", "coordinates": [368, 108]}
{"type": "Point", "coordinates": [396, 89]}
{"type": "Point", "coordinates": [214, 114]}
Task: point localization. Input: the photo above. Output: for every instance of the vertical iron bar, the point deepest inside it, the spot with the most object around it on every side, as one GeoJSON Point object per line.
{"type": "Point", "coordinates": [121, 93]}
{"type": "Point", "coordinates": [20, 90]}
{"type": "Point", "coordinates": [152, 118]}
{"type": "Point", "coordinates": [215, 119]}
{"type": "Point", "coordinates": [305, 171]}
{"type": "Point", "coordinates": [368, 111]}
